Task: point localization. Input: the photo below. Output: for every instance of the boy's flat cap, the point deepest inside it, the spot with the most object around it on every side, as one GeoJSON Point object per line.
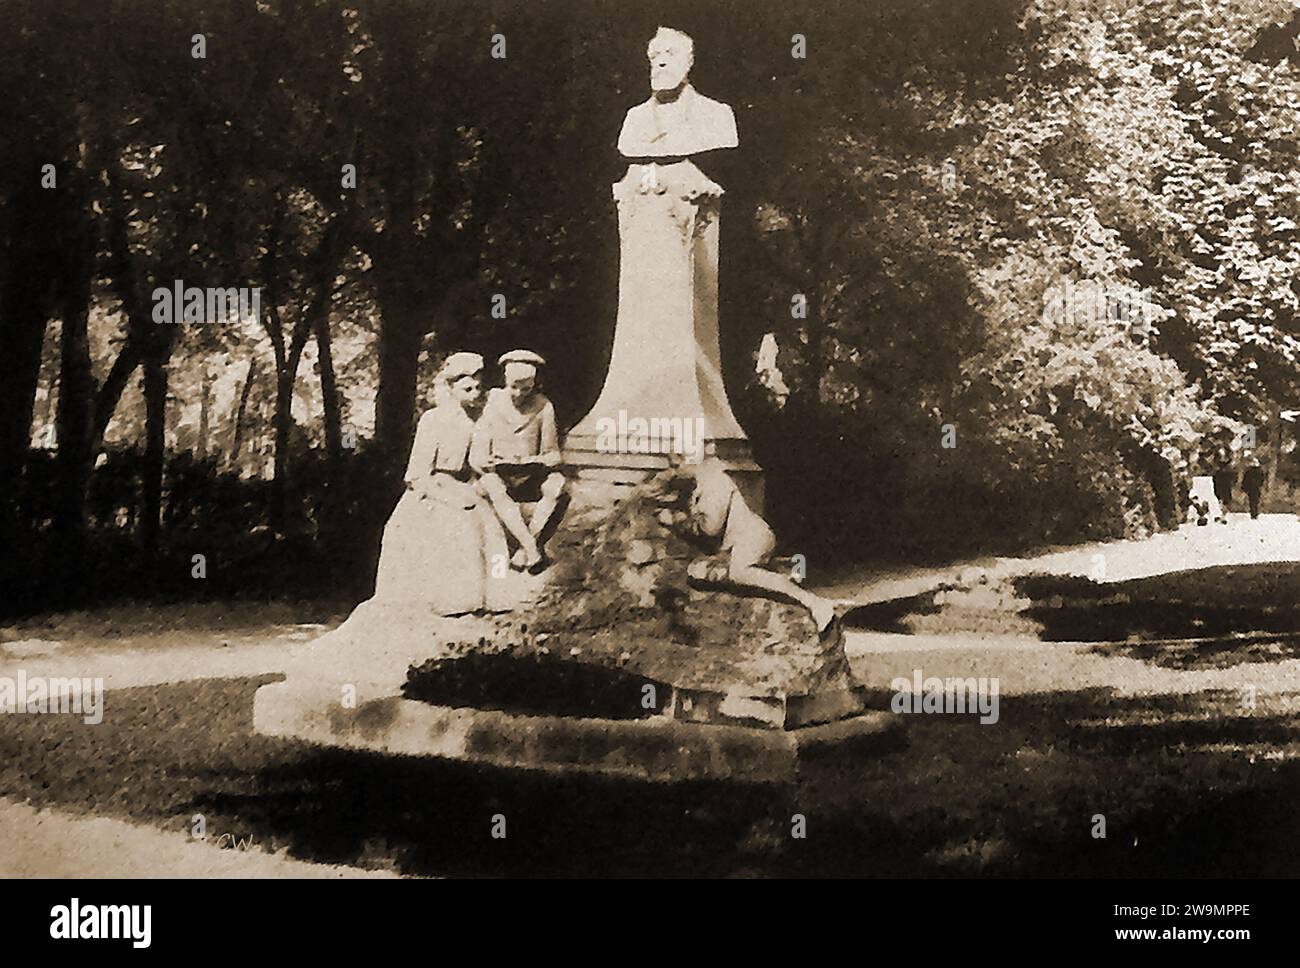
{"type": "Point", "coordinates": [521, 356]}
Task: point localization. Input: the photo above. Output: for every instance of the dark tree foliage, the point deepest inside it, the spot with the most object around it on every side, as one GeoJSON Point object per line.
{"type": "Point", "coordinates": [910, 200]}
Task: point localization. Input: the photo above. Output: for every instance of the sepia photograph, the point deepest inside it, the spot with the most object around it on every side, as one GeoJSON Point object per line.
{"type": "Point", "coordinates": [681, 439]}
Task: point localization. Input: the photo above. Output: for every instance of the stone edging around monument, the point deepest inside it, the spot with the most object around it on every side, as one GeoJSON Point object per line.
{"type": "Point", "coordinates": [656, 749]}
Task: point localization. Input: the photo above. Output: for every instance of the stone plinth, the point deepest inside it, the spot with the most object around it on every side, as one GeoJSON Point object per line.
{"type": "Point", "coordinates": [657, 750]}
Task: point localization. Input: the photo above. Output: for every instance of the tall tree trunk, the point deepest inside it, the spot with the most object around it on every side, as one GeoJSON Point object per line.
{"type": "Point", "coordinates": [1277, 431]}
{"type": "Point", "coordinates": [30, 245]}
{"type": "Point", "coordinates": [333, 503]}
{"type": "Point", "coordinates": [73, 422]}
{"type": "Point", "coordinates": [22, 333]}
{"type": "Point", "coordinates": [280, 431]}
{"type": "Point", "coordinates": [240, 412]}
{"type": "Point", "coordinates": [110, 394]}
{"type": "Point", "coordinates": [139, 323]}
{"type": "Point", "coordinates": [399, 361]}
{"type": "Point", "coordinates": [282, 419]}
{"type": "Point", "coordinates": [205, 393]}
{"type": "Point", "coordinates": [329, 390]}
{"type": "Point", "coordinates": [318, 319]}
{"type": "Point", "coordinates": [403, 286]}
{"type": "Point", "coordinates": [155, 416]}
{"type": "Point", "coordinates": [288, 351]}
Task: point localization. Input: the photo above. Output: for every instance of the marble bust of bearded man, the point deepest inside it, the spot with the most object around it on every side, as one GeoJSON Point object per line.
{"type": "Point", "coordinates": [677, 121]}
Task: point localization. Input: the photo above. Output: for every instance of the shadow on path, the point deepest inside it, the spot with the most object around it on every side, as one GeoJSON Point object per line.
{"type": "Point", "coordinates": [1213, 796]}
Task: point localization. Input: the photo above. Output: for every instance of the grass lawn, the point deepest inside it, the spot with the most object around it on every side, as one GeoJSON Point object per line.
{"type": "Point", "coordinates": [1186, 787]}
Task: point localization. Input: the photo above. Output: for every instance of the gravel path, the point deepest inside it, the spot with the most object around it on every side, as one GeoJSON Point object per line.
{"type": "Point", "coordinates": [1270, 538]}
{"type": "Point", "coordinates": [51, 843]}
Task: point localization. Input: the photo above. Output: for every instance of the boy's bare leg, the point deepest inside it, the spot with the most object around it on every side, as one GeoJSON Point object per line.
{"type": "Point", "coordinates": [552, 490]}
{"type": "Point", "coordinates": [821, 609]}
{"type": "Point", "coordinates": [510, 515]}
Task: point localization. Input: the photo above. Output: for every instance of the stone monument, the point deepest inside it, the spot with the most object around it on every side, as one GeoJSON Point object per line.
{"type": "Point", "coordinates": [647, 648]}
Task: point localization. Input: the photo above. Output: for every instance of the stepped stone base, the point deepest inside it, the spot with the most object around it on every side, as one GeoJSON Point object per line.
{"type": "Point", "coordinates": [657, 749]}
{"type": "Point", "coordinates": [684, 682]}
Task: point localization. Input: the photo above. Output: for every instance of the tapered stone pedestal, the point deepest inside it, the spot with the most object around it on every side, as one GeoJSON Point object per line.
{"type": "Point", "coordinates": [663, 391]}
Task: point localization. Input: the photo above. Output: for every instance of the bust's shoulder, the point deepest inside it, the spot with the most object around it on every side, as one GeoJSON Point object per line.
{"type": "Point", "coordinates": [718, 119]}
{"type": "Point", "coordinates": [707, 105]}
{"type": "Point", "coordinates": [638, 112]}
{"type": "Point", "coordinates": [638, 126]}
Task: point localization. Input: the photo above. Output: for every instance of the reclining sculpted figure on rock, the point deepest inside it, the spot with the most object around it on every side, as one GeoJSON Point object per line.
{"type": "Point", "coordinates": [703, 499]}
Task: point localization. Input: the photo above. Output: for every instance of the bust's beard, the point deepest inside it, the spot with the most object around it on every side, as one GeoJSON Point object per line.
{"type": "Point", "coordinates": [669, 93]}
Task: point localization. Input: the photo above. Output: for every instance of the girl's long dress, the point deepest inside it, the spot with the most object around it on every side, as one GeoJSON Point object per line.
{"type": "Point", "coordinates": [441, 543]}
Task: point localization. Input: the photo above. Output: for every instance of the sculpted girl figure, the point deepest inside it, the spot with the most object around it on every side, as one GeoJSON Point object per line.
{"type": "Point", "coordinates": [439, 545]}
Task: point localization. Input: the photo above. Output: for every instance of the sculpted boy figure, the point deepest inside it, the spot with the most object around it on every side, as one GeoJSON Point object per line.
{"type": "Point", "coordinates": [516, 449]}
{"type": "Point", "coordinates": [718, 512]}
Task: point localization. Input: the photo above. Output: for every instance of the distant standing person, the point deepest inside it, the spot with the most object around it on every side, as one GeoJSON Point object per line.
{"type": "Point", "coordinates": [1252, 482]}
{"type": "Point", "coordinates": [1224, 480]}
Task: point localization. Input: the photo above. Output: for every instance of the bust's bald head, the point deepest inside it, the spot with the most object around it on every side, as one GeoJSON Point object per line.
{"type": "Point", "coordinates": [671, 54]}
